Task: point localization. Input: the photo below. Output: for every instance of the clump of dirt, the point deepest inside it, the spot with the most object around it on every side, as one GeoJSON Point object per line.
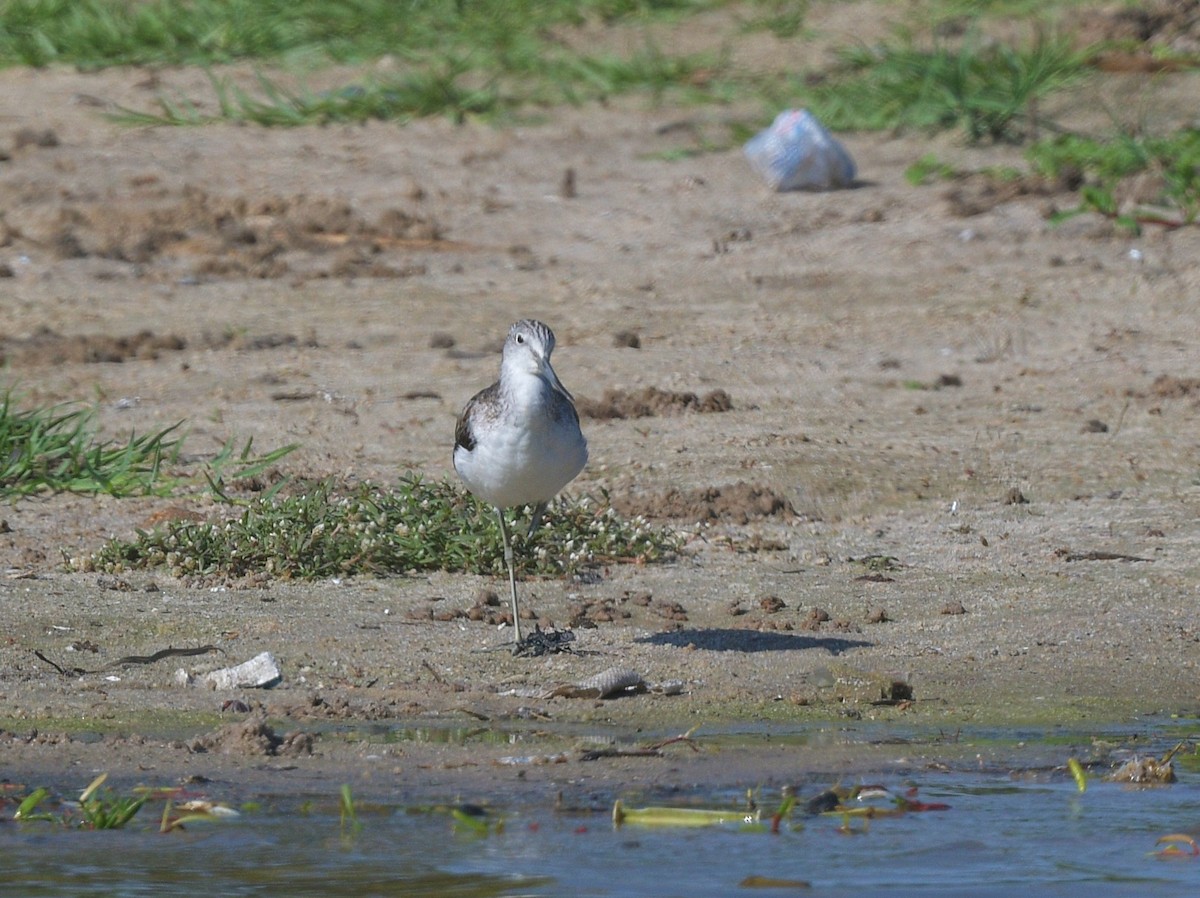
{"type": "Point", "coordinates": [253, 737]}
{"type": "Point", "coordinates": [229, 236]}
{"type": "Point", "coordinates": [592, 612]}
{"type": "Point", "coordinates": [33, 737]}
{"type": "Point", "coordinates": [771, 604]}
{"type": "Point", "coordinates": [42, 138]}
{"type": "Point", "coordinates": [738, 503]}
{"type": "Point", "coordinates": [650, 402]}
{"type": "Point", "coordinates": [488, 608]}
{"type": "Point", "coordinates": [318, 707]}
{"type": "Point", "coordinates": [46, 346]}
{"type": "Point", "coordinates": [978, 193]}
{"type": "Point", "coordinates": [671, 611]}
{"type": "Point", "coordinates": [817, 618]}
{"type": "Point", "coordinates": [1167, 386]}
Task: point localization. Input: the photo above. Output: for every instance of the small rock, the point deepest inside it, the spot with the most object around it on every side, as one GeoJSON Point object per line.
{"type": "Point", "coordinates": [567, 188]}
{"type": "Point", "coordinates": [33, 137]}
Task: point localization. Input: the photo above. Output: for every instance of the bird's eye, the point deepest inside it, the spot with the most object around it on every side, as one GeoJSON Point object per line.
{"type": "Point", "coordinates": [520, 338]}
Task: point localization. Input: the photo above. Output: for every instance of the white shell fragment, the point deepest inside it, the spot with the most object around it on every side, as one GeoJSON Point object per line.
{"type": "Point", "coordinates": [797, 153]}
{"type": "Point", "coordinates": [613, 682]}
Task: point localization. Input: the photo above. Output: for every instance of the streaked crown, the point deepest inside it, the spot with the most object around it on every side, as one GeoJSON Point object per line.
{"type": "Point", "coordinates": [533, 333]}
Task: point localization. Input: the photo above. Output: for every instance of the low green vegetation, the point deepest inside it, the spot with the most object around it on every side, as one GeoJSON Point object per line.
{"type": "Point", "coordinates": [448, 56]}
{"type": "Point", "coordinates": [55, 449]}
{"type": "Point", "coordinates": [96, 808]}
{"type": "Point", "coordinates": [783, 18]}
{"type": "Point", "coordinates": [427, 92]}
{"type": "Point", "coordinates": [1133, 179]}
{"type": "Point", "coordinates": [470, 57]}
{"type": "Point", "coordinates": [928, 169]}
{"type": "Point", "coordinates": [1168, 165]}
{"type": "Point", "coordinates": [327, 530]}
{"type": "Point", "coordinates": [96, 33]}
{"type": "Point", "coordinates": [103, 808]}
{"type": "Point", "coordinates": [988, 90]}
{"type": "Point", "coordinates": [348, 813]}
{"type": "Point", "coordinates": [474, 58]}
{"type": "Point", "coordinates": [316, 530]}
{"type": "Point", "coordinates": [446, 86]}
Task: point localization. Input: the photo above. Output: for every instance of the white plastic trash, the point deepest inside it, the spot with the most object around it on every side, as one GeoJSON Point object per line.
{"type": "Point", "coordinates": [797, 153]}
{"type": "Point", "coordinates": [260, 672]}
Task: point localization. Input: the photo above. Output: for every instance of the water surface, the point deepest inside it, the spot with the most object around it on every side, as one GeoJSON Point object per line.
{"type": "Point", "coordinates": [1004, 833]}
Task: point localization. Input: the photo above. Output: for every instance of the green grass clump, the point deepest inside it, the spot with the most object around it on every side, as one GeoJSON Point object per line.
{"type": "Point", "coordinates": [94, 33]}
{"type": "Point", "coordinates": [1173, 159]}
{"type": "Point", "coordinates": [106, 809]}
{"type": "Point", "coordinates": [53, 449]}
{"type": "Point", "coordinates": [428, 92]}
{"type": "Point", "coordinates": [988, 90]}
{"type": "Point", "coordinates": [440, 86]}
{"type": "Point", "coordinates": [329, 531]}
{"type": "Point", "coordinates": [929, 168]}
{"type": "Point", "coordinates": [783, 18]}
{"type": "Point", "coordinates": [96, 809]}
{"type": "Point", "coordinates": [456, 57]}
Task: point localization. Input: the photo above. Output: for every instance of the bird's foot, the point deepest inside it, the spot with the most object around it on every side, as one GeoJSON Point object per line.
{"type": "Point", "coordinates": [544, 642]}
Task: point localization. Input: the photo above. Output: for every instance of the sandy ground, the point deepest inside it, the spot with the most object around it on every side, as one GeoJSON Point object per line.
{"type": "Point", "coordinates": [932, 374]}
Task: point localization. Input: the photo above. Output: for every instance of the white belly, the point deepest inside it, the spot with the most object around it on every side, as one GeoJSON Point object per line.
{"type": "Point", "coordinates": [521, 466]}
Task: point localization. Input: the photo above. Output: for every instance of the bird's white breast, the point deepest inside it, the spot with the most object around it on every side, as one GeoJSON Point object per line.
{"type": "Point", "coordinates": [527, 448]}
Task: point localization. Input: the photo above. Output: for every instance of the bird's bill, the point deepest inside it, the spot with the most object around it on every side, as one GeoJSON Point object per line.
{"type": "Point", "coordinates": [548, 373]}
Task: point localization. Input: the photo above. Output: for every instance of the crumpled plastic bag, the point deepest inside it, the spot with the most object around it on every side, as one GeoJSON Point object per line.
{"type": "Point", "coordinates": [797, 153]}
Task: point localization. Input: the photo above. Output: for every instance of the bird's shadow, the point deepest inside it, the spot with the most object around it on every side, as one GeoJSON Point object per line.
{"type": "Point", "coordinates": [724, 639]}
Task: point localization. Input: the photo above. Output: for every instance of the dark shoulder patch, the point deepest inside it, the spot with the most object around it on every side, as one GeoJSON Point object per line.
{"type": "Point", "coordinates": [463, 434]}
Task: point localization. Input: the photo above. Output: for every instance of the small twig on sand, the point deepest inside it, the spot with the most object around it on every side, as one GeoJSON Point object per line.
{"type": "Point", "coordinates": [131, 659]}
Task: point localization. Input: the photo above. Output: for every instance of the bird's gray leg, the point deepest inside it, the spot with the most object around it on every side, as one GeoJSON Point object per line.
{"type": "Point", "coordinates": [512, 577]}
{"type": "Point", "coordinates": [538, 511]}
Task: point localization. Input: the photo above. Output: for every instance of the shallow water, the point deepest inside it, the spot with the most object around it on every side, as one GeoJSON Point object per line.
{"type": "Point", "coordinates": [1003, 834]}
